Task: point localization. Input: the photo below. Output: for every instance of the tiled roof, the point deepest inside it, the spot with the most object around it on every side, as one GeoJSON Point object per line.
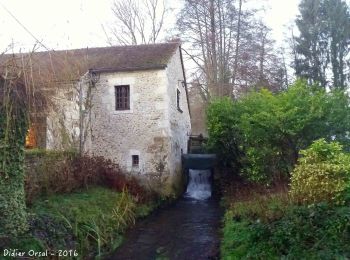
{"type": "Point", "coordinates": [70, 64]}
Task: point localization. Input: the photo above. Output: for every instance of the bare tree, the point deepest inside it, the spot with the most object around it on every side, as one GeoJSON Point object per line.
{"type": "Point", "coordinates": [137, 21]}
{"type": "Point", "coordinates": [231, 49]}
{"type": "Point", "coordinates": [262, 65]}
{"type": "Point", "coordinates": [208, 27]}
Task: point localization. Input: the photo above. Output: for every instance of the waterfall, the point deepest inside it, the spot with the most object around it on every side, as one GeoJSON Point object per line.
{"type": "Point", "coordinates": [199, 186]}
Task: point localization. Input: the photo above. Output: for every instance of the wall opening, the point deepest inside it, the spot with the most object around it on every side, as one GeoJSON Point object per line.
{"type": "Point", "coordinates": [31, 142]}
{"type": "Point", "coordinates": [36, 134]}
{"type": "Point", "coordinates": [122, 97]}
{"type": "Point", "coordinates": [178, 95]}
{"type": "Point", "coordinates": [135, 161]}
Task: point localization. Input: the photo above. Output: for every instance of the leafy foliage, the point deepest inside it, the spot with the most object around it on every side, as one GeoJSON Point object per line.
{"type": "Point", "coordinates": [13, 127]}
{"type": "Point", "coordinates": [305, 232]}
{"type": "Point", "coordinates": [222, 128]}
{"type": "Point", "coordinates": [263, 133]}
{"type": "Point", "coordinates": [322, 174]}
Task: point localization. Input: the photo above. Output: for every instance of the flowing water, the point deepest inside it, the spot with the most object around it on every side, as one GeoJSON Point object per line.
{"type": "Point", "coordinates": [186, 230]}
{"type": "Point", "coordinates": [199, 186]}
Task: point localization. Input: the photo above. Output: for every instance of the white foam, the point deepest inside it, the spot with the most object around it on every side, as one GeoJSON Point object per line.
{"type": "Point", "coordinates": [198, 187]}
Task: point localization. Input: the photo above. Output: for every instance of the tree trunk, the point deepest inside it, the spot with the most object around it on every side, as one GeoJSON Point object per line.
{"type": "Point", "coordinates": [236, 48]}
{"type": "Point", "coordinates": [213, 48]}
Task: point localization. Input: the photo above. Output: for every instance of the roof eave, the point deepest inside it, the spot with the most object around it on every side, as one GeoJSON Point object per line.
{"type": "Point", "coordinates": [155, 67]}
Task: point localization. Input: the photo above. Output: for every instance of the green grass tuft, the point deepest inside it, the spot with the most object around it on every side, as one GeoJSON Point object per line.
{"type": "Point", "coordinates": [92, 222]}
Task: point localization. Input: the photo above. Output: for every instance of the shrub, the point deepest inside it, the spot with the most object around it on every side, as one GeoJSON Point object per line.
{"type": "Point", "coordinates": [263, 132]}
{"type": "Point", "coordinates": [49, 172]}
{"type": "Point", "coordinates": [65, 172]}
{"type": "Point", "coordinates": [222, 128]}
{"type": "Point", "coordinates": [322, 174]}
{"type": "Point", "coordinates": [100, 171]}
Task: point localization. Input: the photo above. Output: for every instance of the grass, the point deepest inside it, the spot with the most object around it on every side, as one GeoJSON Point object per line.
{"type": "Point", "coordinates": [91, 222]}
{"type": "Point", "coordinates": [263, 208]}
{"type": "Point", "coordinates": [270, 226]}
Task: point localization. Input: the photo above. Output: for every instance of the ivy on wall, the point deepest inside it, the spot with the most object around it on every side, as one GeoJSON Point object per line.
{"type": "Point", "coordinates": [13, 127]}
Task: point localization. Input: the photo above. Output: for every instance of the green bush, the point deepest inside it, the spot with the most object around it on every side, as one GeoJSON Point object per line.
{"type": "Point", "coordinates": [262, 133]}
{"type": "Point", "coordinates": [222, 127]}
{"type": "Point", "coordinates": [322, 174]}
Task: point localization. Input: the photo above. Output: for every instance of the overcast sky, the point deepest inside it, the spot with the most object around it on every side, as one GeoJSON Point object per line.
{"type": "Point", "coordinates": [67, 24]}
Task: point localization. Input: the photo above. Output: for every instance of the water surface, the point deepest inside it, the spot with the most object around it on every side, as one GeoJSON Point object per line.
{"type": "Point", "coordinates": [189, 229]}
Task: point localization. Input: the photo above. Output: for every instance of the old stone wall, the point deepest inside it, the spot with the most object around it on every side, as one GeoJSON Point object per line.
{"type": "Point", "coordinates": [143, 130]}
{"type": "Point", "coordinates": [62, 122]}
{"type": "Point", "coordinates": [153, 128]}
{"type": "Point", "coordinates": [179, 118]}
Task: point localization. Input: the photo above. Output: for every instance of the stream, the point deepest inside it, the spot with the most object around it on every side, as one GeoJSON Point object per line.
{"type": "Point", "coordinates": [188, 229]}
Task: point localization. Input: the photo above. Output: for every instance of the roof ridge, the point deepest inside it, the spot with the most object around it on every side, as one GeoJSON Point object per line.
{"type": "Point", "coordinates": [177, 43]}
{"type": "Point", "coordinates": [130, 57]}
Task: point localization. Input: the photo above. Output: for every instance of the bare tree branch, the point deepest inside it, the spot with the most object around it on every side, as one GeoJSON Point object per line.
{"type": "Point", "coordinates": [137, 22]}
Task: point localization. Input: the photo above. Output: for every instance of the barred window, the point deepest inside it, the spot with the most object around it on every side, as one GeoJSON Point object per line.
{"type": "Point", "coordinates": [135, 161]}
{"type": "Point", "coordinates": [122, 97]}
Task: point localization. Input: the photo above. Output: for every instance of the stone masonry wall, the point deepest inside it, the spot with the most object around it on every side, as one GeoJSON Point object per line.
{"type": "Point", "coordinates": [153, 128]}
{"type": "Point", "coordinates": [62, 122]}
{"type": "Point", "coordinates": [180, 123]}
{"type": "Point", "coordinates": [143, 130]}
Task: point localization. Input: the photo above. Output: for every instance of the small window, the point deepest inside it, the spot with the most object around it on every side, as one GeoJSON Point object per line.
{"type": "Point", "coordinates": [30, 141]}
{"type": "Point", "coordinates": [178, 95]}
{"type": "Point", "coordinates": [135, 161]}
{"type": "Point", "coordinates": [122, 97]}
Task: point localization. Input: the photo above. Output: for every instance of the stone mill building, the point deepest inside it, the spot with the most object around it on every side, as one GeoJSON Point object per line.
{"type": "Point", "coordinates": [125, 103]}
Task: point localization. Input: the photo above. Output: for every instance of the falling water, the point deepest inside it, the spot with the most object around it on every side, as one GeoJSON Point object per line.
{"type": "Point", "coordinates": [199, 187]}
{"type": "Point", "coordinates": [187, 229]}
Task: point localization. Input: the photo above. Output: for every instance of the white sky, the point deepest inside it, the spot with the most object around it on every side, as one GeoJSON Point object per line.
{"type": "Point", "coordinates": [279, 15]}
{"type": "Point", "coordinates": [67, 24]}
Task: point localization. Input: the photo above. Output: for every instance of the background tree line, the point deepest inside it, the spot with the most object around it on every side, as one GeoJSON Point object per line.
{"type": "Point", "coordinates": [321, 51]}
{"type": "Point", "coordinates": [260, 134]}
{"type": "Point", "coordinates": [231, 49]}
